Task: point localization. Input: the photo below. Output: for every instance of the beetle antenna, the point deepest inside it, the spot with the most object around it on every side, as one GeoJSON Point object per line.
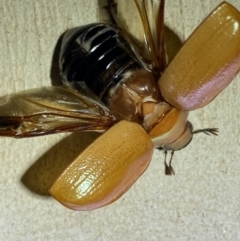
{"type": "Point", "coordinates": [168, 167]}
{"type": "Point", "coordinates": [207, 131]}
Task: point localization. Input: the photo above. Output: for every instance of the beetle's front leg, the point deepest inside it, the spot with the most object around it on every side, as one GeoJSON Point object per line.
{"type": "Point", "coordinates": [168, 167]}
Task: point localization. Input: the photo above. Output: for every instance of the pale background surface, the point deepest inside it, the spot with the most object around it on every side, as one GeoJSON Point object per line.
{"type": "Point", "coordinates": [202, 202]}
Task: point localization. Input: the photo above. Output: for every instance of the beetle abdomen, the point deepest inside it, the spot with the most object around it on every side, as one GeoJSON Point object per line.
{"type": "Point", "coordinates": [96, 54]}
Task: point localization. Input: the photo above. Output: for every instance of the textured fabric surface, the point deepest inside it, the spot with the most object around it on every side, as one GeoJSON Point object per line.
{"type": "Point", "coordinates": [201, 202]}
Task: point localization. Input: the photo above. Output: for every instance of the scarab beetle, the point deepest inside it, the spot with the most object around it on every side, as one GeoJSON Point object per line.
{"type": "Point", "coordinates": [114, 82]}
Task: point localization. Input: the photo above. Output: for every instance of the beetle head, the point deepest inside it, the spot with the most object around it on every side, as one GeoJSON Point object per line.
{"type": "Point", "coordinates": [172, 131]}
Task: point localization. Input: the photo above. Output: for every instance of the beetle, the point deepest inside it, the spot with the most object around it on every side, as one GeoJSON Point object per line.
{"type": "Point", "coordinates": [141, 102]}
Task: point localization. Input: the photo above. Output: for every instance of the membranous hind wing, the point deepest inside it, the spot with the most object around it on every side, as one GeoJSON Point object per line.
{"type": "Point", "coordinates": [142, 23]}
{"type": "Point", "coordinates": [49, 110]}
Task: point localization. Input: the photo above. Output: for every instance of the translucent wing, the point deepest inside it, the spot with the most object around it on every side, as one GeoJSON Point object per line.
{"type": "Point", "coordinates": [50, 110]}
{"type": "Point", "coordinates": [143, 27]}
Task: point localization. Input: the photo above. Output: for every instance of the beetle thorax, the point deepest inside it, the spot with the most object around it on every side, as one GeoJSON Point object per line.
{"type": "Point", "coordinates": [134, 97]}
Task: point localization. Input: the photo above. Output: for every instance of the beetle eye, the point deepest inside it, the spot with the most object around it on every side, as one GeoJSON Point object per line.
{"type": "Point", "coordinates": [190, 126]}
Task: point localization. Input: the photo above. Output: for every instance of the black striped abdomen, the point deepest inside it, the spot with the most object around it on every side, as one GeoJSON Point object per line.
{"type": "Point", "coordinates": [96, 54]}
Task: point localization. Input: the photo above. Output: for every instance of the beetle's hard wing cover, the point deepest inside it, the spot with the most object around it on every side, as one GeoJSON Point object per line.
{"type": "Point", "coordinates": [105, 170]}
{"type": "Point", "coordinates": [207, 62]}
{"type": "Point", "coordinates": [50, 110]}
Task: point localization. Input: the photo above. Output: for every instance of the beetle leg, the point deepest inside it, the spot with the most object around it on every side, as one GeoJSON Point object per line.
{"type": "Point", "coordinates": [207, 131]}
{"type": "Point", "coordinates": [168, 167]}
